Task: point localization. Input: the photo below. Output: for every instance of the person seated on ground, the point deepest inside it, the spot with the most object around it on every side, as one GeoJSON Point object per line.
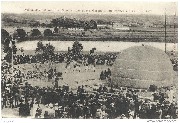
{"type": "Point", "coordinates": [38, 113]}
{"type": "Point", "coordinates": [46, 115]}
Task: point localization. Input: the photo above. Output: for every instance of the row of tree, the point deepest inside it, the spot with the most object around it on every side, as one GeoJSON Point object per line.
{"type": "Point", "coordinates": [73, 23]}
{"type": "Point", "coordinates": [57, 22]}
{"type": "Point", "coordinates": [21, 34]}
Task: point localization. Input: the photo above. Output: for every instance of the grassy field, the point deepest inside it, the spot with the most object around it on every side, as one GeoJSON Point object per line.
{"type": "Point", "coordinates": [71, 77]}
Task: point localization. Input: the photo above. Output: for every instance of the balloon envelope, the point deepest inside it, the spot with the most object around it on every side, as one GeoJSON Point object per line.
{"type": "Point", "coordinates": [142, 66]}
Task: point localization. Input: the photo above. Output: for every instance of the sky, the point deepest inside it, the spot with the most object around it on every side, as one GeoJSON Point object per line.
{"type": "Point", "coordinates": [157, 8]}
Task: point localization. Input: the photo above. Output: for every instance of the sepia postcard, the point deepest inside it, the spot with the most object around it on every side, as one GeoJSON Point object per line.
{"type": "Point", "coordinates": [89, 60]}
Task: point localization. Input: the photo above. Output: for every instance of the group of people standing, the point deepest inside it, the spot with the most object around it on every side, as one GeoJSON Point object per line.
{"type": "Point", "coordinates": [104, 102]}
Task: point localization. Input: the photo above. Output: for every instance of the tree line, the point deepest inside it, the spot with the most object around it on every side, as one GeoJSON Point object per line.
{"type": "Point", "coordinates": [63, 22]}
{"type": "Point", "coordinates": [73, 23]}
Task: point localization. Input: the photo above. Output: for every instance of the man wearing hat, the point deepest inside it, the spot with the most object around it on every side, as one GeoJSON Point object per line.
{"type": "Point", "coordinates": [99, 114]}
{"type": "Point", "coordinates": [51, 111]}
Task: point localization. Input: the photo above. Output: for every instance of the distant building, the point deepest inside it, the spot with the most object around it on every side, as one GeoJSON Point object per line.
{"type": "Point", "coordinates": [76, 29]}
{"type": "Point", "coordinates": [133, 24]}
{"type": "Point", "coordinates": [148, 25]}
{"type": "Point", "coordinates": [102, 26]}
{"type": "Point", "coordinates": [172, 25]}
{"type": "Point", "coordinates": [119, 26]}
{"type": "Point", "coordinates": [157, 25]}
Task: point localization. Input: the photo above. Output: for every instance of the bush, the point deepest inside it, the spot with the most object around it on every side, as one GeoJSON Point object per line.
{"type": "Point", "coordinates": [20, 34]}
{"type": "Point", "coordinates": [48, 32]}
{"type": "Point", "coordinates": [35, 32]}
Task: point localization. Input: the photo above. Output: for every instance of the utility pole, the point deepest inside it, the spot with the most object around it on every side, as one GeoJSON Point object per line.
{"type": "Point", "coordinates": [165, 31]}
{"type": "Point", "coordinates": [174, 47]}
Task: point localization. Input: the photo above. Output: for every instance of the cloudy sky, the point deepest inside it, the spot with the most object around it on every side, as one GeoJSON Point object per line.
{"type": "Point", "coordinates": [90, 7]}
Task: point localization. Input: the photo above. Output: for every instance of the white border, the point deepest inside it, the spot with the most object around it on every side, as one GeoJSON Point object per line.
{"type": "Point", "coordinates": [21, 120]}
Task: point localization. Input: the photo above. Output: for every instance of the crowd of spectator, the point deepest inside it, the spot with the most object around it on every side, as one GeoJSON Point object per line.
{"type": "Point", "coordinates": [107, 59]}
{"type": "Point", "coordinates": [62, 102]}
{"type": "Point", "coordinates": [106, 102]}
